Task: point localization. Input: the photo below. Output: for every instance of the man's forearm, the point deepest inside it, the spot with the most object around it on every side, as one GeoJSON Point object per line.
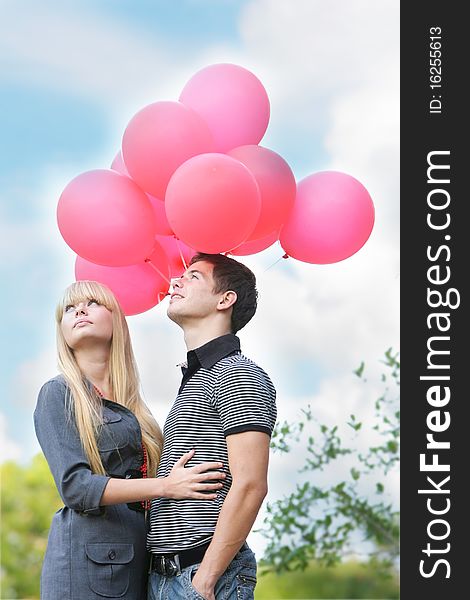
{"type": "Point", "coordinates": [236, 519]}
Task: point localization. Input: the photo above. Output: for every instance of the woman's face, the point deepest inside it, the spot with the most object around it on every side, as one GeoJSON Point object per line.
{"type": "Point", "coordinates": [86, 324]}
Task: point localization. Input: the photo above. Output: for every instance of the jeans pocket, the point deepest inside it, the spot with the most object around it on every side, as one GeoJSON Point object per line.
{"type": "Point", "coordinates": [108, 568]}
{"type": "Point", "coordinates": [194, 594]}
{"type": "Point", "coordinates": [246, 583]}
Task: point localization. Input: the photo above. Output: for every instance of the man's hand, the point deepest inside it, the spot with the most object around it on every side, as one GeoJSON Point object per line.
{"type": "Point", "coordinates": [203, 588]}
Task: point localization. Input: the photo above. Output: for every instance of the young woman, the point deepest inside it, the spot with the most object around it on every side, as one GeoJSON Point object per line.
{"type": "Point", "coordinates": [102, 445]}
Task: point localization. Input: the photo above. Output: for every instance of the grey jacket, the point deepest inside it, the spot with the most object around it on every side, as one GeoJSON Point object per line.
{"type": "Point", "coordinates": [92, 552]}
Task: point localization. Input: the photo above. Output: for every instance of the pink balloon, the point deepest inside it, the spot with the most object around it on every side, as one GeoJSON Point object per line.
{"type": "Point", "coordinates": [106, 218]}
{"type": "Point", "coordinates": [332, 218]}
{"type": "Point", "coordinates": [178, 253]}
{"type": "Point", "coordinates": [118, 165]}
{"type": "Point", "coordinates": [137, 287]}
{"type": "Point", "coordinates": [232, 101]}
{"type": "Point", "coordinates": [276, 184]}
{"type": "Point", "coordinates": [254, 246]}
{"type": "Point", "coordinates": [212, 203]}
{"type": "Point", "coordinates": [162, 227]}
{"type": "Point", "coordinates": [158, 139]}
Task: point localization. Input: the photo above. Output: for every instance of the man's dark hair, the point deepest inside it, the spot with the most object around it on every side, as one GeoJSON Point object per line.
{"type": "Point", "coordinates": [229, 274]}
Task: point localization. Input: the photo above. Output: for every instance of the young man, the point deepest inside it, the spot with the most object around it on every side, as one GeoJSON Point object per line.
{"type": "Point", "coordinates": [225, 409]}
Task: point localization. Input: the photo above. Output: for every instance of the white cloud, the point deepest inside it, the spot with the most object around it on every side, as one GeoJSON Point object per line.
{"type": "Point", "coordinates": [331, 316]}
{"type": "Point", "coordinates": [335, 401]}
{"type": "Point", "coordinates": [363, 140]}
{"type": "Point", "coordinates": [339, 58]}
{"type": "Point", "coordinates": [159, 347]}
{"type": "Point", "coordinates": [316, 49]}
{"type": "Point", "coordinates": [26, 241]}
{"type": "Point", "coordinates": [9, 449]}
{"type": "Point", "coordinates": [84, 51]}
{"type": "Point", "coordinates": [31, 374]}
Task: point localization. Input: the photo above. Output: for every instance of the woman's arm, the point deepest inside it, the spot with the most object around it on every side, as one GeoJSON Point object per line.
{"type": "Point", "coordinates": [180, 483]}
{"type": "Point", "coordinates": [82, 490]}
{"type": "Point", "coordinates": [58, 437]}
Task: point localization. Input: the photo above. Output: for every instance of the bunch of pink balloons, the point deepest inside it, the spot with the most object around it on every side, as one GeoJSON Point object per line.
{"type": "Point", "coordinates": [191, 176]}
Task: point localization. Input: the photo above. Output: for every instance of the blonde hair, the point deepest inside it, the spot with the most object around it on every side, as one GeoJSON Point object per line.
{"type": "Point", "coordinates": [83, 401]}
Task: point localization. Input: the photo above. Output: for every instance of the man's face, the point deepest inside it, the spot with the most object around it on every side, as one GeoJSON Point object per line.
{"type": "Point", "coordinates": [192, 296]}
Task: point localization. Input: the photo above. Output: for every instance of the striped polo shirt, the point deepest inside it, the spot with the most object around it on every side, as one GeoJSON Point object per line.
{"type": "Point", "coordinates": [222, 393]}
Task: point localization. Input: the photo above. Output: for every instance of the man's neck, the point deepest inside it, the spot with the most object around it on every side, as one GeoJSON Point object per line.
{"type": "Point", "coordinates": [198, 336]}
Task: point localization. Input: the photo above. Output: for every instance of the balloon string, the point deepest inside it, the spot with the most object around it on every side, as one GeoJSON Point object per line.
{"type": "Point", "coordinates": [181, 254]}
{"type": "Point", "coordinates": [165, 277]}
{"type": "Point", "coordinates": [275, 263]}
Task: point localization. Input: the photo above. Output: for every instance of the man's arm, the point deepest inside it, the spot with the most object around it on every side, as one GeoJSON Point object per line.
{"type": "Point", "coordinates": [248, 455]}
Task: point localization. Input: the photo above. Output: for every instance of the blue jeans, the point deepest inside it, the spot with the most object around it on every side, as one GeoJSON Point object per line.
{"type": "Point", "coordinates": [236, 583]}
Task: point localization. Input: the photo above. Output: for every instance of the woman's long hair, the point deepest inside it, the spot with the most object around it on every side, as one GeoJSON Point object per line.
{"type": "Point", "coordinates": [83, 401]}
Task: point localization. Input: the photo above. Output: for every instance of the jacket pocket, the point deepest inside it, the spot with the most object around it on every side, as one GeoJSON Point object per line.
{"type": "Point", "coordinates": [113, 434]}
{"type": "Point", "coordinates": [108, 568]}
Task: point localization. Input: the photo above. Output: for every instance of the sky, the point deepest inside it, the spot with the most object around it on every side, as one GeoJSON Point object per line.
{"type": "Point", "coordinates": [72, 75]}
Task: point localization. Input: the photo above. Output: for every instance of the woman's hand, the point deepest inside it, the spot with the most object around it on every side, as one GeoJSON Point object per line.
{"type": "Point", "coordinates": [193, 482]}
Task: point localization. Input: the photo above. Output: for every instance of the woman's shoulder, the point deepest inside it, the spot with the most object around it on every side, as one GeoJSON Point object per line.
{"type": "Point", "coordinates": [52, 391]}
{"type": "Point", "coordinates": [55, 383]}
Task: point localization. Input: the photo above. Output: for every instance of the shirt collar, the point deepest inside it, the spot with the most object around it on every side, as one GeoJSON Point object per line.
{"type": "Point", "coordinates": [209, 354]}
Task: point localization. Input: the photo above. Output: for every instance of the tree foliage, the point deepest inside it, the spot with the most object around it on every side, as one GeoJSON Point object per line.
{"type": "Point", "coordinates": [29, 499]}
{"type": "Point", "coordinates": [351, 580]}
{"type": "Point", "coordinates": [326, 523]}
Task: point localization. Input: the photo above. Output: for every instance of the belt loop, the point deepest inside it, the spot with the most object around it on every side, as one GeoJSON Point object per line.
{"type": "Point", "coordinates": [176, 559]}
{"type": "Point", "coordinates": [168, 566]}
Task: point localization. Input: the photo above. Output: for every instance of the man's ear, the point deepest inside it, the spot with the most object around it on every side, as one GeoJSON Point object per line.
{"type": "Point", "coordinates": [227, 300]}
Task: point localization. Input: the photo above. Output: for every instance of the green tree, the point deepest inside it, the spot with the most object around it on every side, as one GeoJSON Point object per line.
{"type": "Point", "coordinates": [28, 500]}
{"type": "Point", "coordinates": [326, 523]}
